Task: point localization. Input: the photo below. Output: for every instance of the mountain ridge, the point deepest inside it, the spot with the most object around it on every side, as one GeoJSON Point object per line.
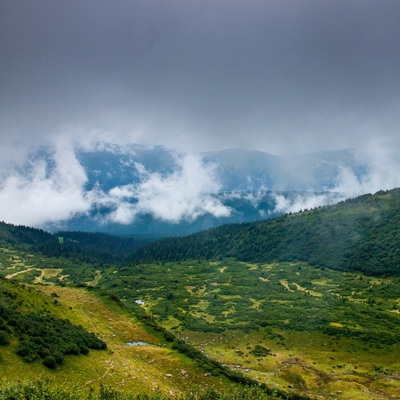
{"type": "Point", "coordinates": [351, 235]}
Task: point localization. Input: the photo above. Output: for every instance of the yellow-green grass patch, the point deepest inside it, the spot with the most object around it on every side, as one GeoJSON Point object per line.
{"type": "Point", "coordinates": [131, 368]}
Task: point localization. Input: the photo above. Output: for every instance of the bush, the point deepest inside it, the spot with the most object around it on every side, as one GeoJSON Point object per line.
{"type": "Point", "coordinates": [73, 349]}
{"type": "Point", "coordinates": [27, 350]}
{"type": "Point", "coordinates": [4, 339]}
{"type": "Point", "coordinates": [260, 351]}
{"type": "Point", "coordinates": [84, 350]}
{"type": "Point", "coordinates": [59, 357]}
{"type": "Point", "coordinates": [50, 362]}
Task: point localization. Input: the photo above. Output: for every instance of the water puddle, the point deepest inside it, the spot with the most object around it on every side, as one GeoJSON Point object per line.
{"type": "Point", "coordinates": [135, 344]}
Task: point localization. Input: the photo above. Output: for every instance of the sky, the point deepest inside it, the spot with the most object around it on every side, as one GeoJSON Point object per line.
{"type": "Point", "coordinates": [281, 76]}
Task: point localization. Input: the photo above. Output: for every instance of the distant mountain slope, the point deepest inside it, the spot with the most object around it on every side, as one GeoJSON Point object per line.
{"type": "Point", "coordinates": [244, 170]}
{"type": "Point", "coordinates": [109, 165]}
{"type": "Point", "coordinates": [236, 169]}
{"type": "Point", "coordinates": [360, 234]}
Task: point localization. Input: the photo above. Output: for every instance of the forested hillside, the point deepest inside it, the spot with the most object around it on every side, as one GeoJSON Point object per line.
{"type": "Point", "coordinates": [360, 234]}
{"type": "Point", "coordinates": [89, 247]}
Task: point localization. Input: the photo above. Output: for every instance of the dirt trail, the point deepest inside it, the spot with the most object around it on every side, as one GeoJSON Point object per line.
{"type": "Point", "coordinates": [10, 276]}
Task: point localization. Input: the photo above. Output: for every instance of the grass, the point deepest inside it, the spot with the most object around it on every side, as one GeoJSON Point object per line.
{"type": "Point", "coordinates": [328, 331]}
{"type": "Point", "coordinates": [42, 389]}
{"type": "Point", "coordinates": [311, 364]}
{"type": "Point", "coordinates": [143, 368]}
{"type": "Point", "coordinates": [297, 303]}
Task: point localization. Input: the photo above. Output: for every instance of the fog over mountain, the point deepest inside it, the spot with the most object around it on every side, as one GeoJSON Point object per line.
{"type": "Point", "coordinates": [139, 189]}
{"type": "Point", "coordinates": [287, 79]}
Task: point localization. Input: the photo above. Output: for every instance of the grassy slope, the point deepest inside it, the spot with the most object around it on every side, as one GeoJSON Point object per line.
{"type": "Point", "coordinates": [302, 358]}
{"type": "Point", "coordinates": [142, 368]}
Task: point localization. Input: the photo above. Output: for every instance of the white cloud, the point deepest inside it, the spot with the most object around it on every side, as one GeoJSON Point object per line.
{"type": "Point", "coordinates": [184, 194]}
{"type": "Point", "coordinates": [40, 195]}
{"type": "Point", "coordinates": [382, 163]}
{"type": "Point", "coordinates": [304, 201]}
{"type": "Point", "coordinates": [52, 191]}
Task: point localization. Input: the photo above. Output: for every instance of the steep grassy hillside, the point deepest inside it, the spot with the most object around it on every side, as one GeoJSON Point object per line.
{"type": "Point", "coordinates": [135, 360]}
{"type": "Point", "coordinates": [28, 318]}
{"type": "Point", "coordinates": [360, 234]}
{"type": "Point", "coordinates": [43, 390]}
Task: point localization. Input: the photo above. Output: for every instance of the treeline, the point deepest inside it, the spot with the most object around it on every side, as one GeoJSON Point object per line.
{"type": "Point", "coordinates": [359, 234]}
{"type": "Point", "coordinates": [20, 234]}
{"type": "Point", "coordinates": [93, 247]}
{"type": "Point", "coordinates": [87, 247]}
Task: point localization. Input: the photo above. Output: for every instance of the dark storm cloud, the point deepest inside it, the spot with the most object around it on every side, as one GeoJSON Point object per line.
{"type": "Point", "coordinates": [274, 75]}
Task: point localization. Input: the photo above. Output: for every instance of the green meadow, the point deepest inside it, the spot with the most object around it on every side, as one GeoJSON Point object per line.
{"type": "Point", "coordinates": [291, 326]}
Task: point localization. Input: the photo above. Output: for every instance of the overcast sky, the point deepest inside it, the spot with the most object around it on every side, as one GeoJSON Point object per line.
{"type": "Point", "coordinates": [281, 76]}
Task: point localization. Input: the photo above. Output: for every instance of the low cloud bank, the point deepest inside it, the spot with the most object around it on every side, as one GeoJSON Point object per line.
{"type": "Point", "coordinates": [383, 173]}
{"type": "Point", "coordinates": [185, 194]}
{"type": "Point", "coordinates": [36, 194]}
{"type": "Point", "coordinates": [52, 188]}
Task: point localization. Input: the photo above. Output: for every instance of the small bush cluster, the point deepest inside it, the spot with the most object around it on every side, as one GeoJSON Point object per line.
{"type": "Point", "coordinates": [41, 336]}
{"type": "Point", "coordinates": [260, 351]}
{"type": "Point", "coordinates": [50, 339]}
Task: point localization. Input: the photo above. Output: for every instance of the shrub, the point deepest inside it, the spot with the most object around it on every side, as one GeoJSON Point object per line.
{"type": "Point", "coordinates": [260, 351]}
{"type": "Point", "coordinates": [84, 350]}
{"type": "Point", "coordinates": [59, 357]}
{"type": "Point", "coordinates": [50, 362]}
{"type": "Point", "coordinates": [4, 339]}
{"type": "Point", "coordinates": [73, 349]}
{"type": "Point", "coordinates": [27, 350]}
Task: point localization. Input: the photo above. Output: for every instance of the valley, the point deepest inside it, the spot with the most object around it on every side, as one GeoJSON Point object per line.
{"type": "Point", "coordinates": [199, 200]}
{"type": "Point", "coordinates": [323, 332]}
{"type": "Point", "coordinates": [296, 326]}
